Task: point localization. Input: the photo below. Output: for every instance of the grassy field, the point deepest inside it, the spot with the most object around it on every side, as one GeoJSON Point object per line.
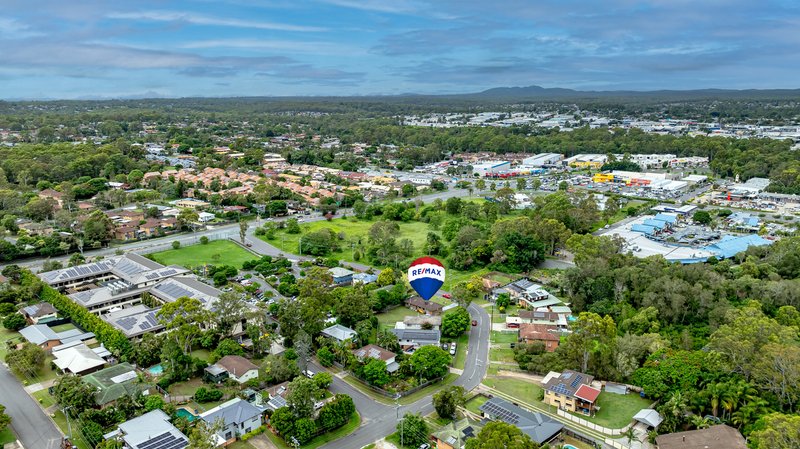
{"type": "Point", "coordinates": [473, 404]}
{"type": "Point", "coordinates": [343, 431]}
{"type": "Point", "coordinates": [63, 327]}
{"type": "Point", "coordinates": [461, 351]}
{"type": "Point", "coordinates": [498, 317]}
{"type": "Point", "coordinates": [616, 410]}
{"type": "Point", "coordinates": [353, 230]}
{"type": "Point", "coordinates": [387, 320]}
{"type": "Point", "coordinates": [427, 391]}
{"type": "Point", "coordinates": [44, 398]}
{"type": "Point", "coordinates": [524, 391]}
{"type": "Point", "coordinates": [195, 255]}
{"type": "Point", "coordinates": [501, 355]}
{"type": "Point", "coordinates": [7, 436]}
{"type": "Point", "coordinates": [6, 335]}
{"type": "Point", "coordinates": [504, 337]}
{"type": "Point", "coordinates": [204, 354]}
{"type": "Point", "coordinates": [77, 438]}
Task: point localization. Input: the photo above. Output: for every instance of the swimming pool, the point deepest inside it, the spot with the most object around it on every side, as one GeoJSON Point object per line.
{"type": "Point", "coordinates": [183, 413]}
{"type": "Point", "coordinates": [569, 446]}
{"type": "Point", "coordinates": [156, 370]}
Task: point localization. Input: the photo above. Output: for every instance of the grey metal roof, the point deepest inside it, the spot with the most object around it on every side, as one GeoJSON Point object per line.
{"type": "Point", "coordinates": [339, 332]}
{"type": "Point", "coordinates": [418, 335]}
{"type": "Point", "coordinates": [38, 334]}
{"type": "Point", "coordinates": [649, 417]}
{"type": "Point", "coordinates": [135, 323]}
{"type": "Point", "coordinates": [235, 411]}
{"type": "Point", "coordinates": [152, 431]}
{"type": "Point", "coordinates": [537, 426]}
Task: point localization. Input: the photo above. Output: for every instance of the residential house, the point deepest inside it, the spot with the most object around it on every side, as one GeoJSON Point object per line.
{"type": "Point", "coordinates": [238, 368]}
{"type": "Point", "coordinates": [539, 427]}
{"type": "Point", "coordinates": [115, 382]}
{"type": "Point", "coordinates": [277, 395]}
{"type": "Point", "coordinates": [79, 360]}
{"type": "Point", "coordinates": [425, 307]}
{"type": "Point", "coordinates": [34, 229]}
{"type": "Point", "coordinates": [541, 333]}
{"type": "Point", "coordinates": [237, 418]}
{"type": "Point", "coordinates": [455, 434]}
{"type": "Point", "coordinates": [523, 292]}
{"type": "Point", "coordinates": [571, 391]}
{"type": "Point", "coordinates": [420, 322]}
{"type": "Point", "coordinates": [341, 276]}
{"type": "Point", "coordinates": [411, 339]}
{"type": "Point", "coordinates": [149, 431]}
{"type": "Point", "coordinates": [339, 333]}
{"type": "Point", "coordinates": [545, 316]}
{"type": "Point", "coordinates": [205, 217]}
{"type": "Point", "coordinates": [215, 374]}
{"type": "Point", "coordinates": [46, 338]}
{"type": "Point", "coordinates": [720, 436]}
{"type": "Point", "coordinates": [191, 203]}
{"type": "Point", "coordinates": [376, 352]}
{"type": "Point", "coordinates": [55, 195]}
{"type": "Point", "coordinates": [125, 233]}
{"type": "Point", "coordinates": [364, 278]}
{"type": "Point", "coordinates": [42, 312]}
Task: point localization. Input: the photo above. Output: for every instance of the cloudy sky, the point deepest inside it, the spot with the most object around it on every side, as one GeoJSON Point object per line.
{"type": "Point", "coordinates": [100, 48]}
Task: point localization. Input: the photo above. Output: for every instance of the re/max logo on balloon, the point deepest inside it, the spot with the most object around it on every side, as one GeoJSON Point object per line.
{"type": "Point", "coordinates": [434, 271]}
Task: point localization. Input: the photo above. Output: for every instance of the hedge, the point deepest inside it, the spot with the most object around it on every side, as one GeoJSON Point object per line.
{"type": "Point", "coordinates": [113, 339]}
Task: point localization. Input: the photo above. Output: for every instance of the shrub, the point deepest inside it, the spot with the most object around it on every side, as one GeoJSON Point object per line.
{"type": "Point", "coordinates": [204, 394]}
{"type": "Point", "coordinates": [204, 240]}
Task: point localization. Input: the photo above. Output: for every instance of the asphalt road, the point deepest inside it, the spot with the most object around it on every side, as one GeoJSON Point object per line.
{"type": "Point", "coordinates": [34, 429]}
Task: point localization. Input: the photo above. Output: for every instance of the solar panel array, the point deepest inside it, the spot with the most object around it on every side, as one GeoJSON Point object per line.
{"type": "Point", "coordinates": [561, 389]}
{"type": "Point", "coordinates": [165, 441]}
{"type": "Point", "coordinates": [127, 323]}
{"type": "Point", "coordinates": [575, 383]}
{"type": "Point", "coordinates": [175, 291]}
{"type": "Point", "coordinates": [500, 412]}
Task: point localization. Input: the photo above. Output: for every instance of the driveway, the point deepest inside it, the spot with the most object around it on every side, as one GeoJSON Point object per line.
{"type": "Point", "coordinates": [34, 428]}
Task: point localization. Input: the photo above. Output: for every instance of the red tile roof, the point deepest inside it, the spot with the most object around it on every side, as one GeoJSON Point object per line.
{"type": "Point", "coordinates": [587, 393]}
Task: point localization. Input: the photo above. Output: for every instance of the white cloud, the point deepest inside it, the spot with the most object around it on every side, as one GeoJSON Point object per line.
{"type": "Point", "coordinates": [198, 19]}
{"type": "Point", "coordinates": [310, 47]}
{"type": "Point", "coordinates": [14, 29]}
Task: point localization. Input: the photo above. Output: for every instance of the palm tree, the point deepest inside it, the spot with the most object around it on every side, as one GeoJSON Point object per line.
{"type": "Point", "coordinates": [717, 393]}
{"type": "Point", "coordinates": [700, 422]}
{"type": "Point", "coordinates": [630, 435]}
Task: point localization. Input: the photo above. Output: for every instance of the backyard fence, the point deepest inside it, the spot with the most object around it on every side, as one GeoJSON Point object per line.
{"type": "Point", "coordinates": [591, 425]}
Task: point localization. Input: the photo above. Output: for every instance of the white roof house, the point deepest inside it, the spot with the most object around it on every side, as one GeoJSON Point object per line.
{"type": "Point", "coordinates": [78, 359]}
{"type": "Point", "coordinates": [339, 332]}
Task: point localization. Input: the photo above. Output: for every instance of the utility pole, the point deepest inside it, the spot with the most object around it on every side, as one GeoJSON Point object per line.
{"type": "Point", "coordinates": [69, 426]}
{"type": "Point", "coordinates": [402, 424]}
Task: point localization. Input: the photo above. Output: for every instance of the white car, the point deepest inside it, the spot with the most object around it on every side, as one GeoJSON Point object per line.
{"type": "Point", "coordinates": [453, 348]}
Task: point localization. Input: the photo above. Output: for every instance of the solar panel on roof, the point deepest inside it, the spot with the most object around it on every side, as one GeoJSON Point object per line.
{"type": "Point", "coordinates": [144, 326]}
{"type": "Point", "coordinates": [576, 382]}
{"type": "Point", "coordinates": [127, 323]}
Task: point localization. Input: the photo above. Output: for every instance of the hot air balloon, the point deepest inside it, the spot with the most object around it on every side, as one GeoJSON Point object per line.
{"type": "Point", "coordinates": [426, 275]}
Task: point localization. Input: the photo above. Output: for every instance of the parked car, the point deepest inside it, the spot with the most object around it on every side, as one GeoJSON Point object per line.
{"type": "Point", "coordinates": [453, 348]}
{"type": "Point", "coordinates": [446, 295]}
{"type": "Point", "coordinates": [308, 373]}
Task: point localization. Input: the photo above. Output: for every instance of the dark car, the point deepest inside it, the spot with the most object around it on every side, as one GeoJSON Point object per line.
{"type": "Point", "coordinates": [474, 322]}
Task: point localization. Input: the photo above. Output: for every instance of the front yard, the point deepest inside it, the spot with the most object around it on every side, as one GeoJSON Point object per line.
{"type": "Point", "coordinates": [525, 391]}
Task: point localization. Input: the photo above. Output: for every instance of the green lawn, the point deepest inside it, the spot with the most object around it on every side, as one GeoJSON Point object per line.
{"type": "Point", "coordinates": [77, 438]}
{"type": "Point", "coordinates": [504, 337]}
{"type": "Point", "coordinates": [473, 404]}
{"type": "Point", "coordinates": [427, 391]}
{"type": "Point", "coordinates": [501, 355]}
{"type": "Point", "coordinates": [343, 431]}
{"type": "Point", "coordinates": [461, 351]}
{"type": "Point", "coordinates": [204, 354]}
{"type": "Point", "coordinates": [241, 445]}
{"type": "Point", "coordinates": [63, 327]}
{"type": "Point", "coordinates": [6, 335]}
{"type": "Point", "coordinates": [7, 436]}
{"type": "Point", "coordinates": [388, 319]}
{"type": "Point", "coordinates": [44, 398]}
{"type": "Point", "coordinates": [196, 255]}
{"type": "Point", "coordinates": [524, 391]}
{"type": "Point", "coordinates": [353, 230]}
{"type": "Point", "coordinates": [617, 410]}
{"type": "Point", "coordinates": [498, 317]}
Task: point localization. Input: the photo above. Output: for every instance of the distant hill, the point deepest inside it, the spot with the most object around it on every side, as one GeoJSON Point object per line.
{"type": "Point", "coordinates": [538, 92]}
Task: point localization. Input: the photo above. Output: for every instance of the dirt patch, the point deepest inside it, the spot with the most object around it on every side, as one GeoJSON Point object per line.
{"type": "Point", "coordinates": [518, 375]}
{"type": "Point", "coordinates": [383, 444]}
